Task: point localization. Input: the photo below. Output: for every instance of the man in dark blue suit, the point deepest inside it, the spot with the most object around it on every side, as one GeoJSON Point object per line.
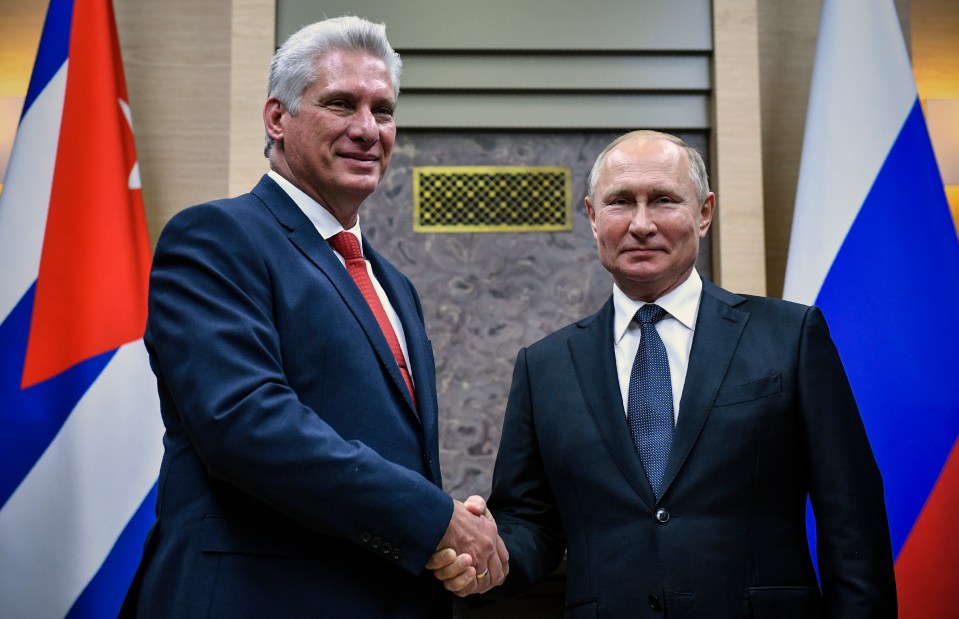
{"type": "Point", "coordinates": [704, 516]}
{"type": "Point", "coordinates": [301, 474]}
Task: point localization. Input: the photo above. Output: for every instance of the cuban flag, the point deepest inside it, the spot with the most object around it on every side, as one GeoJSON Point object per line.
{"type": "Point", "coordinates": [80, 430]}
{"type": "Point", "coordinates": [874, 245]}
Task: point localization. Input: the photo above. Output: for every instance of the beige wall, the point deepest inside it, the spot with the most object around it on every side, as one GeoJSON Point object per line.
{"type": "Point", "coordinates": [737, 175]}
{"type": "Point", "coordinates": [787, 40]}
{"type": "Point", "coordinates": [935, 55]}
{"type": "Point", "coordinates": [196, 76]}
{"type": "Point", "coordinates": [19, 34]}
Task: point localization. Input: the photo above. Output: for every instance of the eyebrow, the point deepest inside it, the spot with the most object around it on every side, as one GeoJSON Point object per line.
{"type": "Point", "coordinates": [617, 190]}
{"type": "Point", "coordinates": [626, 192]}
{"type": "Point", "coordinates": [349, 94]}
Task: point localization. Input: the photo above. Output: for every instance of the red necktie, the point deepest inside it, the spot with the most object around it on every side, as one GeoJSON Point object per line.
{"type": "Point", "coordinates": [348, 246]}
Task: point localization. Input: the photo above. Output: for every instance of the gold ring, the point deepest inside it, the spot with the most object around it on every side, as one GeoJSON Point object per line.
{"type": "Point", "coordinates": [483, 575]}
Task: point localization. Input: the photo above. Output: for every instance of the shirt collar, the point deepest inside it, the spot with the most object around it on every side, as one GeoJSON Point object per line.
{"type": "Point", "coordinates": [682, 303]}
{"type": "Point", "coordinates": [322, 219]}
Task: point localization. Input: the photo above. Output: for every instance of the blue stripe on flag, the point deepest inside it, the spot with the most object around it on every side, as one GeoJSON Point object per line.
{"type": "Point", "coordinates": [890, 299]}
{"type": "Point", "coordinates": [54, 48]}
{"type": "Point", "coordinates": [29, 419]}
{"type": "Point", "coordinates": [105, 593]}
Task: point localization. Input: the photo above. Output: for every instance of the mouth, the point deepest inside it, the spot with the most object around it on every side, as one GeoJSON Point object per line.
{"type": "Point", "coordinates": [641, 251]}
{"type": "Point", "coordinates": [361, 157]}
{"type": "Point", "coordinates": [361, 163]}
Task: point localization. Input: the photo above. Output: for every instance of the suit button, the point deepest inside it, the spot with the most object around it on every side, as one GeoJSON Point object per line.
{"type": "Point", "coordinates": [386, 548]}
{"type": "Point", "coordinates": [662, 515]}
{"type": "Point", "coordinates": [365, 537]}
{"type": "Point", "coordinates": [654, 603]}
{"type": "Point", "coordinates": [396, 554]}
{"type": "Point", "coordinates": [375, 543]}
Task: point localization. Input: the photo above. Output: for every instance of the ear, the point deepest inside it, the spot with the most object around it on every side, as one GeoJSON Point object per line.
{"type": "Point", "coordinates": [592, 215]}
{"type": "Point", "coordinates": [272, 116]}
{"type": "Point", "coordinates": [706, 214]}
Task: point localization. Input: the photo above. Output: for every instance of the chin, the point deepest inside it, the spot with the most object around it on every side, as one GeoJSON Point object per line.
{"type": "Point", "coordinates": [364, 185]}
{"type": "Point", "coordinates": [643, 272]}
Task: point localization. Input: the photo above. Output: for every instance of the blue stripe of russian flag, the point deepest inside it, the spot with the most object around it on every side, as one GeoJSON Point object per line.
{"type": "Point", "coordinates": [891, 299]}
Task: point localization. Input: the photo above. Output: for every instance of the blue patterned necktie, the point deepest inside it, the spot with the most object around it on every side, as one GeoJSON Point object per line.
{"type": "Point", "coordinates": [650, 403]}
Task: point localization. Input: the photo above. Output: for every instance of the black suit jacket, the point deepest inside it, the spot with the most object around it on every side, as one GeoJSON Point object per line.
{"type": "Point", "coordinates": [766, 419]}
{"type": "Point", "coordinates": [298, 479]}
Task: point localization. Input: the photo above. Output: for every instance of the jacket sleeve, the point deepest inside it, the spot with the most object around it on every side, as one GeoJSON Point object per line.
{"type": "Point", "coordinates": [846, 492]}
{"type": "Point", "coordinates": [522, 501]}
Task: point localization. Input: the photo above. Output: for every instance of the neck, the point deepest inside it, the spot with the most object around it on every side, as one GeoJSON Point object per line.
{"type": "Point", "coordinates": [650, 293]}
{"type": "Point", "coordinates": [345, 211]}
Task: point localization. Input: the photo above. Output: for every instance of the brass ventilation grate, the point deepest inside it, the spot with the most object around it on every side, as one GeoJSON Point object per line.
{"type": "Point", "coordinates": [491, 199]}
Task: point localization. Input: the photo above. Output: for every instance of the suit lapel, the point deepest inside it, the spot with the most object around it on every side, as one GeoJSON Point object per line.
{"type": "Point", "coordinates": [719, 328]}
{"type": "Point", "coordinates": [595, 365]}
{"type": "Point", "coordinates": [306, 238]}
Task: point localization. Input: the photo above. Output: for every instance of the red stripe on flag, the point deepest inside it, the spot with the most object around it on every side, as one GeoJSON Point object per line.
{"type": "Point", "coordinates": [929, 560]}
{"type": "Point", "coordinates": [92, 284]}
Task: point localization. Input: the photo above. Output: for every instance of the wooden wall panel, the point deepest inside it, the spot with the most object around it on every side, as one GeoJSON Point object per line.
{"type": "Point", "coordinates": [935, 57]}
{"type": "Point", "coordinates": [611, 25]}
{"type": "Point", "coordinates": [787, 40]}
{"type": "Point", "coordinates": [738, 246]}
{"type": "Point", "coordinates": [196, 75]}
{"type": "Point", "coordinates": [252, 45]}
{"type": "Point", "coordinates": [19, 36]}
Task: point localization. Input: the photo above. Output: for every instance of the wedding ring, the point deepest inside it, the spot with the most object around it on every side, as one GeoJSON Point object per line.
{"type": "Point", "coordinates": [483, 575]}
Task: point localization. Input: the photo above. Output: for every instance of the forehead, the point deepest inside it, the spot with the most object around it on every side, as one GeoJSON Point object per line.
{"type": "Point", "coordinates": [658, 157]}
{"type": "Point", "coordinates": [342, 69]}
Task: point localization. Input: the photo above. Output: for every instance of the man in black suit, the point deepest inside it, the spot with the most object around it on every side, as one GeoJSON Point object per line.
{"type": "Point", "coordinates": [300, 475]}
{"type": "Point", "coordinates": [704, 515]}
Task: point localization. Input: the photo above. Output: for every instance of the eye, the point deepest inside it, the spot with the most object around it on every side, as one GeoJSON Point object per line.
{"type": "Point", "coordinates": [384, 114]}
{"type": "Point", "coordinates": [337, 104]}
{"type": "Point", "coordinates": [618, 201]}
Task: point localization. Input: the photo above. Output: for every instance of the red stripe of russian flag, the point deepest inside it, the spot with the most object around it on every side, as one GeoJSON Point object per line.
{"type": "Point", "coordinates": [928, 563]}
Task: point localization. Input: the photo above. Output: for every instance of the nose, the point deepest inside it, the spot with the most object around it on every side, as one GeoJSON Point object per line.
{"type": "Point", "coordinates": [642, 223]}
{"type": "Point", "coordinates": [363, 126]}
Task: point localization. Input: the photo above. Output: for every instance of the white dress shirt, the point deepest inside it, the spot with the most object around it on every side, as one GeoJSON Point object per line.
{"type": "Point", "coordinates": [327, 225]}
{"type": "Point", "coordinates": [675, 329]}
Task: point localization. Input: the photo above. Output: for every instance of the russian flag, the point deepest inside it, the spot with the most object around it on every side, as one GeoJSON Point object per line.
{"type": "Point", "coordinates": [873, 244]}
{"type": "Point", "coordinates": [80, 430]}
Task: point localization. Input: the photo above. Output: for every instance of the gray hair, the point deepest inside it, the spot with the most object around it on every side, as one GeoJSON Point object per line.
{"type": "Point", "coordinates": [293, 68]}
{"type": "Point", "coordinates": [697, 169]}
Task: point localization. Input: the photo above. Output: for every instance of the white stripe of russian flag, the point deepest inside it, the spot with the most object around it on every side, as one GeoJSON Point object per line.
{"type": "Point", "coordinates": [862, 91]}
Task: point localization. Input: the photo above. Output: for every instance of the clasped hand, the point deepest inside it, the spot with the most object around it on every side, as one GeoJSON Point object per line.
{"type": "Point", "coordinates": [471, 557]}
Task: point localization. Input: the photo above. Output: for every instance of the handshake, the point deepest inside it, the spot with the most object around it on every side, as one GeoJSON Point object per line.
{"type": "Point", "coordinates": [471, 557]}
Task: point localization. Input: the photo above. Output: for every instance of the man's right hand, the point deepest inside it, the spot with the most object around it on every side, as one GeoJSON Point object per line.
{"type": "Point", "coordinates": [471, 557]}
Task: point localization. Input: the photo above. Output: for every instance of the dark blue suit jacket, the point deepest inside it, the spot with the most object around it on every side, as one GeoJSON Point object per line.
{"type": "Point", "coordinates": [766, 419]}
{"type": "Point", "coordinates": [298, 479]}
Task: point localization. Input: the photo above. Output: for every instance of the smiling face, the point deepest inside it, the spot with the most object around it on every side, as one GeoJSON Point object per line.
{"type": "Point", "coordinates": [646, 217]}
{"type": "Point", "coordinates": [337, 147]}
